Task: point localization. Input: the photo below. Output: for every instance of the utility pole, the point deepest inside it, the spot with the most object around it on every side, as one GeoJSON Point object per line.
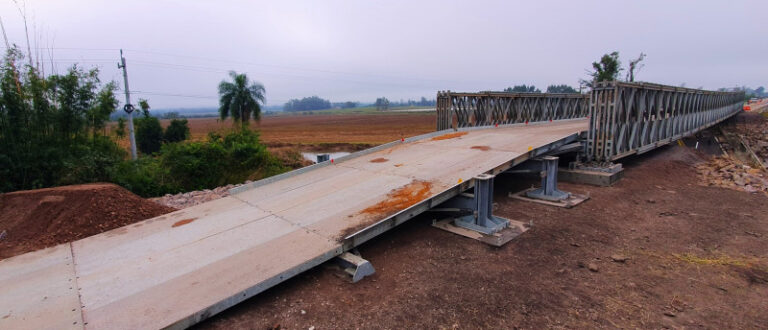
{"type": "Point", "coordinates": [128, 106]}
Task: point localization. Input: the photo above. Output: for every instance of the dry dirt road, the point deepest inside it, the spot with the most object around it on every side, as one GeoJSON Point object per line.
{"type": "Point", "coordinates": [696, 256]}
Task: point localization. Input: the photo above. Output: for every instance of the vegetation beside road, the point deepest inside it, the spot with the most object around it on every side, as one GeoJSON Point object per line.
{"type": "Point", "coordinates": [53, 131]}
{"type": "Point", "coordinates": [217, 161]}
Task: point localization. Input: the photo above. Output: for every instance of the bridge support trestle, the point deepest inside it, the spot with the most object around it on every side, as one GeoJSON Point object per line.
{"type": "Point", "coordinates": [548, 193]}
{"type": "Point", "coordinates": [473, 215]}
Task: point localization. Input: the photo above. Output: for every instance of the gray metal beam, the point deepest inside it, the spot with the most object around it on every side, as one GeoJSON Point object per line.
{"type": "Point", "coordinates": [628, 118]}
{"type": "Point", "coordinates": [457, 110]}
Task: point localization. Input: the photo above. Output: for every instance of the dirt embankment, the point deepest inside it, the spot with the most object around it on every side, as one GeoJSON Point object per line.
{"type": "Point", "coordinates": [35, 219]}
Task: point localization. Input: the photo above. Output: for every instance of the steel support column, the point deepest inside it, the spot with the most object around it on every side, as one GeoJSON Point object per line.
{"type": "Point", "coordinates": [548, 190]}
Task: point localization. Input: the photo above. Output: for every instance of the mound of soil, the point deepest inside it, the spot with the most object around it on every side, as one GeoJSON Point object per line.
{"type": "Point", "coordinates": [36, 219]}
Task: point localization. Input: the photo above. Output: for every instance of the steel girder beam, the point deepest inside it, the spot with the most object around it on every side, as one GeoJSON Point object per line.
{"type": "Point", "coordinates": [456, 110]}
{"type": "Point", "coordinates": [627, 118]}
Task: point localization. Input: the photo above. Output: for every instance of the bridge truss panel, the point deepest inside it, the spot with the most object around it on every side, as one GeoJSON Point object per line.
{"type": "Point", "coordinates": [458, 110]}
{"type": "Point", "coordinates": [627, 118]}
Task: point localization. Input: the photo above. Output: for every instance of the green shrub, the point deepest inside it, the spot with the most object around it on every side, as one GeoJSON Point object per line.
{"type": "Point", "coordinates": [178, 167]}
{"type": "Point", "coordinates": [149, 134]}
{"type": "Point", "coordinates": [218, 161]}
{"type": "Point", "coordinates": [91, 162]}
{"type": "Point", "coordinates": [144, 177]}
{"type": "Point", "coordinates": [196, 165]}
{"type": "Point", "coordinates": [177, 131]}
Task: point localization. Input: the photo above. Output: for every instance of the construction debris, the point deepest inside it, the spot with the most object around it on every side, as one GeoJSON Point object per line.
{"type": "Point", "coordinates": [755, 135]}
{"type": "Point", "coordinates": [744, 169]}
{"type": "Point", "coordinates": [729, 173]}
{"type": "Point", "coordinates": [192, 198]}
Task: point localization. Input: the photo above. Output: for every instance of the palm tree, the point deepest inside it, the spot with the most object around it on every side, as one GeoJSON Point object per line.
{"type": "Point", "coordinates": [241, 99]}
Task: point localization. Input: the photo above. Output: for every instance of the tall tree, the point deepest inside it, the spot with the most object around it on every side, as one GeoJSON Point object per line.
{"type": "Point", "coordinates": [607, 69]}
{"type": "Point", "coordinates": [104, 105]}
{"type": "Point", "coordinates": [635, 65]}
{"type": "Point", "coordinates": [382, 103]}
{"type": "Point", "coordinates": [149, 132]}
{"type": "Point", "coordinates": [144, 106]}
{"type": "Point", "coordinates": [241, 98]}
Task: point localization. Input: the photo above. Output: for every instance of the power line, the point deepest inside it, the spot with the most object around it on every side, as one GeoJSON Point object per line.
{"type": "Point", "coordinates": [198, 68]}
{"type": "Point", "coordinates": [184, 95]}
{"type": "Point", "coordinates": [275, 66]}
{"type": "Point", "coordinates": [257, 64]}
{"type": "Point", "coordinates": [174, 95]}
{"type": "Point", "coordinates": [212, 69]}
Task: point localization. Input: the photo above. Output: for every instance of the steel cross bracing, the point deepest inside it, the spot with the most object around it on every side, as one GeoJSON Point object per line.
{"type": "Point", "coordinates": [627, 118]}
{"type": "Point", "coordinates": [457, 110]}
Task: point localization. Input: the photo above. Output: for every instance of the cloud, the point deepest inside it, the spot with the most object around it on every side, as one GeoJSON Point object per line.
{"type": "Point", "coordinates": [354, 50]}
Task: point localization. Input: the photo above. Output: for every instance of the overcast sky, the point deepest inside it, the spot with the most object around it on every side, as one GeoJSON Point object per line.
{"type": "Point", "coordinates": [178, 51]}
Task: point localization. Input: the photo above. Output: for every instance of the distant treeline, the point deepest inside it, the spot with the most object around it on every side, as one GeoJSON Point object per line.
{"type": "Point", "coordinates": [748, 92]}
{"type": "Point", "coordinates": [423, 102]}
{"type": "Point", "coordinates": [532, 89]}
{"type": "Point", "coordinates": [307, 103]}
{"type": "Point", "coordinates": [317, 103]}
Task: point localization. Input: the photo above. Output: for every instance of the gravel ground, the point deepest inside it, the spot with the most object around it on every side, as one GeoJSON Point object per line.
{"type": "Point", "coordinates": [192, 198]}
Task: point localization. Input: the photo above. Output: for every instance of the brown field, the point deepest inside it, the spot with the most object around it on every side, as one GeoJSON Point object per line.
{"type": "Point", "coordinates": [342, 132]}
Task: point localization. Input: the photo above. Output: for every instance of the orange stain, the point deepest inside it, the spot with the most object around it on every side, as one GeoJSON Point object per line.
{"type": "Point", "coordinates": [449, 136]}
{"type": "Point", "coordinates": [401, 198]}
{"type": "Point", "coordinates": [183, 222]}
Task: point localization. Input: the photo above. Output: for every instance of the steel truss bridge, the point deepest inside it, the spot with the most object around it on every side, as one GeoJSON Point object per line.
{"type": "Point", "coordinates": [624, 118]}
{"type": "Point", "coordinates": [457, 110]}
{"type": "Point", "coordinates": [627, 118]}
{"type": "Point", "coordinates": [175, 270]}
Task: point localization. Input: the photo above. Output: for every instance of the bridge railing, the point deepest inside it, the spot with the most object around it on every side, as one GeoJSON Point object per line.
{"type": "Point", "coordinates": [456, 110]}
{"type": "Point", "coordinates": [627, 118]}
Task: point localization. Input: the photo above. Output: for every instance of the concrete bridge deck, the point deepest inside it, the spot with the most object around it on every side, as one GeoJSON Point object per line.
{"type": "Point", "coordinates": [180, 268]}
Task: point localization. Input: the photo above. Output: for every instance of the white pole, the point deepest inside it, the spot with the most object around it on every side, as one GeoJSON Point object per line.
{"type": "Point", "coordinates": [128, 105]}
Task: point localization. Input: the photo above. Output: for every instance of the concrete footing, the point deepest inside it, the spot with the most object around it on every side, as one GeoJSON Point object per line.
{"type": "Point", "coordinates": [595, 178]}
{"type": "Point", "coordinates": [568, 202]}
{"type": "Point", "coordinates": [355, 266]}
{"type": "Point", "coordinates": [499, 238]}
